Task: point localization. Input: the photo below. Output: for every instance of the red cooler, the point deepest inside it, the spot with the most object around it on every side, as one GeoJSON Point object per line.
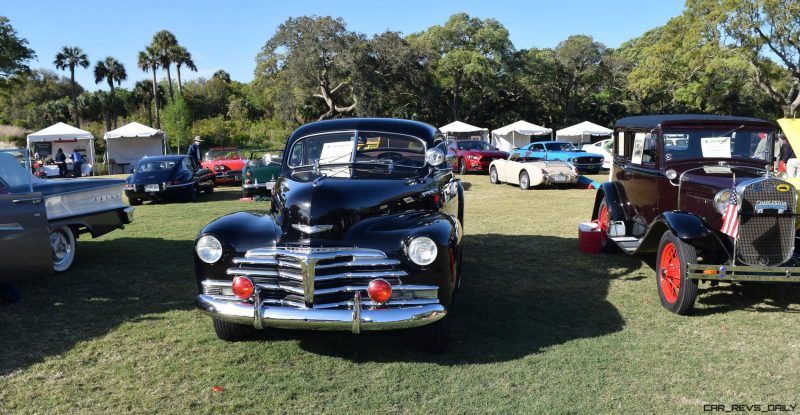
{"type": "Point", "coordinates": [589, 238]}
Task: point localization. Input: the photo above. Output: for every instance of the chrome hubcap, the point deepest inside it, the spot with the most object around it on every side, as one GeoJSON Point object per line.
{"type": "Point", "coordinates": [60, 246]}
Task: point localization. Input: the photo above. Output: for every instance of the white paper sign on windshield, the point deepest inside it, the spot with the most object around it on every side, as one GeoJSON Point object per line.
{"type": "Point", "coordinates": [336, 152]}
{"type": "Point", "coordinates": [638, 148]}
{"type": "Point", "coordinates": [716, 147]}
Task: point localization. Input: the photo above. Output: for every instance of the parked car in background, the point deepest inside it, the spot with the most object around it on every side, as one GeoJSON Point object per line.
{"type": "Point", "coordinates": [261, 171]}
{"type": "Point", "coordinates": [673, 179]}
{"type": "Point", "coordinates": [363, 233]}
{"type": "Point", "coordinates": [531, 172]}
{"type": "Point", "coordinates": [168, 178]}
{"type": "Point", "coordinates": [226, 163]}
{"type": "Point", "coordinates": [601, 147]}
{"type": "Point", "coordinates": [468, 156]}
{"type": "Point", "coordinates": [565, 151]}
{"type": "Point", "coordinates": [40, 220]}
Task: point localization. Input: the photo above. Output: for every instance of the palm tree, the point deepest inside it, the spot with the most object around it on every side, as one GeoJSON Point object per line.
{"type": "Point", "coordinates": [110, 70]}
{"type": "Point", "coordinates": [181, 57]}
{"type": "Point", "coordinates": [70, 57]}
{"type": "Point", "coordinates": [148, 61]}
{"type": "Point", "coordinates": [142, 93]}
{"type": "Point", "coordinates": [163, 40]}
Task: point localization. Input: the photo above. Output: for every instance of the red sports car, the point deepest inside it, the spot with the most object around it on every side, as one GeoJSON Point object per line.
{"type": "Point", "coordinates": [226, 163]}
{"type": "Point", "coordinates": [472, 155]}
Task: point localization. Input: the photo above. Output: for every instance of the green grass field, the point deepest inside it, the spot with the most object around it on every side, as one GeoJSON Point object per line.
{"type": "Point", "coordinates": [538, 328]}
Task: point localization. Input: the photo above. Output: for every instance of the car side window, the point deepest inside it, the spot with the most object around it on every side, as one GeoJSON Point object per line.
{"type": "Point", "coordinates": [537, 147]}
{"type": "Point", "coordinates": [188, 164]}
{"type": "Point", "coordinates": [645, 149]}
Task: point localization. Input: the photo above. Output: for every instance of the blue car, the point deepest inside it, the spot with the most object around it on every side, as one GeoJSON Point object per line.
{"type": "Point", "coordinates": [564, 151]}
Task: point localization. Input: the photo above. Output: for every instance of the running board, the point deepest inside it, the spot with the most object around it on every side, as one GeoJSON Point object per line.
{"type": "Point", "coordinates": [629, 244]}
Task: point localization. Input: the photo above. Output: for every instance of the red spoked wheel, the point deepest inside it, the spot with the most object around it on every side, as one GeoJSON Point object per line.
{"type": "Point", "coordinates": [669, 269]}
{"type": "Point", "coordinates": [677, 292]}
{"type": "Point", "coordinates": [603, 218]}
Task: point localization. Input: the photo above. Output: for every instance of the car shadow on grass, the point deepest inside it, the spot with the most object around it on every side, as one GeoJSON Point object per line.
{"type": "Point", "coordinates": [755, 297]}
{"type": "Point", "coordinates": [520, 295]}
{"type": "Point", "coordinates": [111, 282]}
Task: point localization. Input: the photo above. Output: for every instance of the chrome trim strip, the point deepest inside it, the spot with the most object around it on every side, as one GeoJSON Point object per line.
{"type": "Point", "coordinates": [247, 272]}
{"type": "Point", "coordinates": [360, 275]}
{"type": "Point", "coordinates": [320, 319]}
{"type": "Point", "coordinates": [357, 313]}
{"type": "Point", "coordinates": [11, 227]}
{"type": "Point", "coordinates": [318, 253]}
{"type": "Point", "coordinates": [280, 287]}
{"type": "Point", "coordinates": [359, 262]}
{"type": "Point", "coordinates": [353, 288]}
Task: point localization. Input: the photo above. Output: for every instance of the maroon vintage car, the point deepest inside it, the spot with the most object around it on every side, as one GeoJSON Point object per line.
{"type": "Point", "coordinates": [472, 155]}
{"type": "Point", "coordinates": [679, 181]}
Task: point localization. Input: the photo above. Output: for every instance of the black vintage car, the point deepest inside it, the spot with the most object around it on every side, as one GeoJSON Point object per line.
{"type": "Point", "coordinates": [363, 233]}
{"type": "Point", "coordinates": [672, 180]}
{"type": "Point", "coordinates": [163, 178]}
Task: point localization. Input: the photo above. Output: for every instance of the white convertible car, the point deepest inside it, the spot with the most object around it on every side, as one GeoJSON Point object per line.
{"type": "Point", "coordinates": [530, 172]}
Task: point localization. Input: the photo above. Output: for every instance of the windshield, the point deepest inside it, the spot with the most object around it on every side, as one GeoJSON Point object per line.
{"type": "Point", "coordinates": [148, 166]}
{"type": "Point", "coordinates": [473, 145]}
{"type": "Point", "coordinates": [743, 144]}
{"type": "Point", "coordinates": [12, 174]}
{"type": "Point", "coordinates": [556, 146]}
{"type": "Point", "coordinates": [344, 147]}
{"type": "Point", "coordinates": [224, 154]}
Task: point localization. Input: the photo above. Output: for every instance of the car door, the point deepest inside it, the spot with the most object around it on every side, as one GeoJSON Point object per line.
{"type": "Point", "coordinates": [538, 150]}
{"type": "Point", "coordinates": [24, 236]}
{"type": "Point", "coordinates": [641, 178]}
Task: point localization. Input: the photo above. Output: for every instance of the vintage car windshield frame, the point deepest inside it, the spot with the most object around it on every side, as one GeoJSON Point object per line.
{"type": "Point", "coordinates": [26, 168]}
{"type": "Point", "coordinates": [751, 129]}
{"type": "Point", "coordinates": [355, 133]}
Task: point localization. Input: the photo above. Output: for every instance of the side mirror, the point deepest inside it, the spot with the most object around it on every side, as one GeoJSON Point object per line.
{"type": "Point", "coordinates": [434, 157]}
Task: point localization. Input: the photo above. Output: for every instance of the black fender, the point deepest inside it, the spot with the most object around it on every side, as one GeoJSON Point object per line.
{"type": "Point", "coordinates": [688, 227]}
{"type": "Point", "coordinates": [615, 209]}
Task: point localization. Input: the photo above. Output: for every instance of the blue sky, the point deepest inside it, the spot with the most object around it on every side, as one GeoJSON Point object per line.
{"type": "Point", "coordinates": [228, 34]}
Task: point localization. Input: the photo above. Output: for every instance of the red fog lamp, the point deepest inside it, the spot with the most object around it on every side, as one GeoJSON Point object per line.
{"type": "Point", "coordinates": [242, 287]}
{"type": "Point", "coordinates": [379, 291]}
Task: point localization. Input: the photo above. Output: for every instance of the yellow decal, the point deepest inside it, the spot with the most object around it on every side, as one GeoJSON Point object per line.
{"type": "Point", "coordinates": [782, 187]}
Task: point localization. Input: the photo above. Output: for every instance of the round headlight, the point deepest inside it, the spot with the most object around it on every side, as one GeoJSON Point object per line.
{"type": "Point", "coordinates": [721, 200]}
{"type": "Point", "coordinates": [209, 249]}
{"type": "Point", "coordinates": [422, 250]}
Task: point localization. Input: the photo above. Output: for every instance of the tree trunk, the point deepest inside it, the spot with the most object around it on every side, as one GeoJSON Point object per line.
{"type": "Point", "coordinates": [456, 93]}
{"type": "Point", "coordinates": [155, 98]}
{"type": "Point", "coordinates": [112, 105]}
{"type": "Point", "coordinates": [149, 104]}
{"type": "Point", "coordinates": [74, 98]}
{"type": "Point", "coordinates": [178, 71]}
{"type": "Point", "coordinates": [169, 81]}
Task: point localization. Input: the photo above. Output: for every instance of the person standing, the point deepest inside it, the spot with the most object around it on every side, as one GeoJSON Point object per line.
{"type": "Point", "coordinates": [788, 157]}
{"type": "Point", "coordinates": [77, 161]}
{"type": "Point", "coordinates": [61, 162]}
{"type": "Point", "coordinates": [194, 150]}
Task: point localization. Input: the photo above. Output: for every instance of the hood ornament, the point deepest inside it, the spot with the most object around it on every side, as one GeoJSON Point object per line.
{"type": "Point", "coordinates": [310, 230]}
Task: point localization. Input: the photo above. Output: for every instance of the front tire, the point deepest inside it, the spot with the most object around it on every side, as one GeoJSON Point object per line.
{"type": "Point", "coordinates": [603, 219]}
{"type": "Point", "coordinates": [135, 201]}
{"type": "Point", "coordinates": [191, 195]}
{"type": "Point", "coordinates": [524, 181]}
{"type": "Point", "coordinates": [232, 332]}
{"type": "Point", "coordinates": [63, 247]}
{"type": "Point", "coordinates": [677, 292]}
{"type": "Point", "coordinates": [434, 337]}
{"type": "Point", "coordinates": [493, 178]}
{"type": "Point", "coordinates": [462, 166]}
{"type": "Point", "coordinates": [209, 189]}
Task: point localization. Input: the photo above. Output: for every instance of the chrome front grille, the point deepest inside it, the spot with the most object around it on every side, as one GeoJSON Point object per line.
{"type": "Point", "coordinates": [588, 160]}
{"type": "Point", "coordinates": [766, 233]}
{"type": "Point", "coordinates": [321, 277]}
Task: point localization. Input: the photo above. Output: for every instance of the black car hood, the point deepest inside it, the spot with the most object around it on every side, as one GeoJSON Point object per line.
{"type": "Point", "coordinates": [341, 202]}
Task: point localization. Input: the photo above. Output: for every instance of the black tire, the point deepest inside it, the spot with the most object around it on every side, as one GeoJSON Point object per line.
{"type": "Point", "coordinates": [524, 181]}
{"type": "Point", "coordinates": [493, 177]}
{"type": "Point", "coordinates": [191, 195]}
{"type": "Point", "coordinates": [462, 166]}
{"type": "Point", "coordinates": [607, 246]}
{"type": "Point", "coordinates": [434, 337]}
{"type": "Point", "coordinates": [209, 189]}
{"type": "Point", "coordinates": [135, 201]}
{"type": "Point", "coordinates": [246, 194]}
{"type": "Point", "coordinates": [674, 254]}
{"type": "Point", "coordinates": [232, 332]}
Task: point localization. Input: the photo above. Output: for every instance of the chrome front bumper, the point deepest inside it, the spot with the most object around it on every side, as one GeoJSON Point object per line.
{"type": "Point", "coordinates": [267, 185]}
{"type": "Point", "coordinates": [356, 320]}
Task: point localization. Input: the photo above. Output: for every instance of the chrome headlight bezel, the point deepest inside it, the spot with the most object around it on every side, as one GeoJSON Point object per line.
{"type": "Point", "coordinates": [721, 200]}
{"type": "Point", "coordinates": [208, 249]}
{"type": "Point", "coordinates": [422, 250]}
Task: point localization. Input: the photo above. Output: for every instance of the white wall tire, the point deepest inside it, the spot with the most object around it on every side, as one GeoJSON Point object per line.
{"type": "Point", "coordinates": [63, 247]}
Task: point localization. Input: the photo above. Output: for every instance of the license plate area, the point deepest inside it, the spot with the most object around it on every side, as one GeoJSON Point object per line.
{"type": "Point", "coordinates": [151, 188]}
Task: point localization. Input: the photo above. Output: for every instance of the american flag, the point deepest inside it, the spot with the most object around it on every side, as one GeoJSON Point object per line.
{"type": "Point", "coordinates": [730, 219]}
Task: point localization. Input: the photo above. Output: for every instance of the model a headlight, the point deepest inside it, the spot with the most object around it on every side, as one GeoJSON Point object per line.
{"type": "Point", "coordinates": [721, 200]}
{"type": "Point", "coordinates": [422, 250]}
{"type": "Point", "coordinates": [208, 249]}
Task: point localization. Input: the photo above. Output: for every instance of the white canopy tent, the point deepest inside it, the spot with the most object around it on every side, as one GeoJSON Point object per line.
{"type": "Point", "coordinates": [66, 137]}
{"type": "Point", "coordinates": [582, 132]}
{"type": "Point", "coordinates": [128, 144]}
{"type": "Point", "coordinates": [517, 134]}
{"type": "Point", "coordinates": [458, 128]}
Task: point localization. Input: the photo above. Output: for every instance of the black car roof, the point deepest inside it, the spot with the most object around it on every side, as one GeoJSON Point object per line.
{"type": "Point", "coordinates": [178, 157]}
{"type": "Point", "coordinates": [414, 128]}
{"type": "Point", "coordinates": [654, 121]}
